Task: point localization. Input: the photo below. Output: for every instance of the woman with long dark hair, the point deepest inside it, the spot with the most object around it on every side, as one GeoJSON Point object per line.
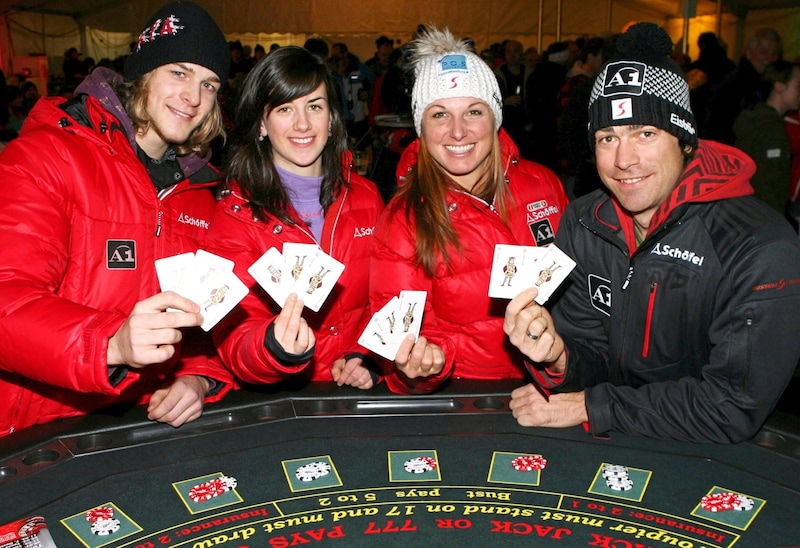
{"type": "Point", "coordinates": [290, 179]}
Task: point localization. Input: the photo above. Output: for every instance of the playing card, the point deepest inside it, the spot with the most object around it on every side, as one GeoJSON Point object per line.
{"type": "Point", "coordinates": [268, 271]}
{"type": "Point", "coordinates": [174, 272]}
{"type": "Point", "coordinates": [409, 315]}
{"type": "Point", "coordinates": [512, 269]}
{"type": "Point", "coordinates": [218, 295]}
{"type": "Point", "coordinates": [377, 337]}
{"type": "Point", "coordinates": [317, 280]}
{"type": "Point", "coordinates": [552, 269]}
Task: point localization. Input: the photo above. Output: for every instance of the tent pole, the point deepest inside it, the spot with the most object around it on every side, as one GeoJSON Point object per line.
{"type": "Point", "coordinates": [559, 6]}
{"type": "Point", "coordinates": [719, 19]}
{"type": "Point", "coordinates": [541, 14]}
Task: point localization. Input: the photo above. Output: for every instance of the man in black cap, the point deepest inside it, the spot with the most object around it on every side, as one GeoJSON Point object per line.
{"type": "Point", "coordinates": [95, 190]}
{"type": "Point", "coordinates": [680, 319]}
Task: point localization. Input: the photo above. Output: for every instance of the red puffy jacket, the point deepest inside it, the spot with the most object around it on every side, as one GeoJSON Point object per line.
{"type": "Point", "coordinates": [459, 316]}
{"type": "Point", "coordinates": [346, 236]}
{"type": "Point", "coordinates": [82, 226]}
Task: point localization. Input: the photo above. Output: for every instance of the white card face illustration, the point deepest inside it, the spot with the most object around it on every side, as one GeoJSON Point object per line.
{"type": "Point", "coordinates": [409, 315]}
{"type": "Point", "coordinates": [550, 271]}
{"type": "Point", "coordinates": [377, 336]}
{"type": "Point", "coordinates": [296, 258]}
{"type": "Point", "coordinates": [512, 269]}
{"type": "Point", "coordinates": [174, 272]}
{"type": "Point", "coordinates": [317, 281]}
{"type": "Point", "coordinates": [268, 271]}
{"type": "Point", "coordinates": [218, 295]}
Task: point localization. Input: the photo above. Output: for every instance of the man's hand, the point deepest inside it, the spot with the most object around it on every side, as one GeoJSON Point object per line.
{"type": "Point", "coordinates": [530, 328]}
{"type": "Point", "coordinates": [351, 372]}
{"type": "Point", "coordinates": [150, 333]}
{"type": "Point", "coordinates": [419, 359]}
{"type": "Point", "coordinates": [291, 330]}
{"type": "Point", "coordinates": [530, 407]}
{"type": "Point", "coordinates": [180, 402]}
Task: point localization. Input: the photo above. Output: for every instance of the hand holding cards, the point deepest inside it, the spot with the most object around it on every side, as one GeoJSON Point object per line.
{"type": "Point", "coordinates": [518, 267]}
{"type": "Point", "coordinates": [397, 319]}
{"type": "Point", "coordinates": [302, 268]}
{"type": "Point", "coordinates": [204, 278]}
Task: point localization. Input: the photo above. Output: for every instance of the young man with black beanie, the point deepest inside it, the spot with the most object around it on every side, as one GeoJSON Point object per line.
{"type": "Point", "coordinates": [95, 190]}
{"type": "Point", "coordinates": [680, 319]}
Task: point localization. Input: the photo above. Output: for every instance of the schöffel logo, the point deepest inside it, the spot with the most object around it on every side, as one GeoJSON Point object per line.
{"type": "Point", "coordinates": [624, 77]}
{"type": "Point", "coordinates": [666, 250]}
{"type": "Point", "coordinates": [600, 293]}
{"type": "Point", "coordinates": [452, 62]}
{"type": "Point", "coordinates": [121, 254]}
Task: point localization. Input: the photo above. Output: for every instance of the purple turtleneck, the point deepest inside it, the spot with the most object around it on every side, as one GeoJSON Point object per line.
{"type": "Point", "coordinates": [303, 193]}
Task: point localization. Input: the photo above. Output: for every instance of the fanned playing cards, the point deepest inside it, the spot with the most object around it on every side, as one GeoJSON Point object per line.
{"type": "Point", "coordinates": [303, 269]}
{"type": "Point", "coordinates": [518, 267]}
{"type": "Point", "coordinates": [398, 318]}
{"type": "Point", "coordinates": [204, 278]}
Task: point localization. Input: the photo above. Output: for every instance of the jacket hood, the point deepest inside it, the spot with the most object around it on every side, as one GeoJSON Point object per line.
{"type": "Point", "coordinates": [716, 172]}
{"type": "Point", "coordinates": [408, 159]}
{"type": "Point", "coordinates": [100, 84]}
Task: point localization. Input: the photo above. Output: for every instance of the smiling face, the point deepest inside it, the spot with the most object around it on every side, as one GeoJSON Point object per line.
{"type": "Point", "coordinates": [459, 133]}
{"type": "Point", "coordinates": [179, 97]}
{"type": "Point", "coordinates": [640, 165]}
{"type": "Point", "coordinates": [298, 132]}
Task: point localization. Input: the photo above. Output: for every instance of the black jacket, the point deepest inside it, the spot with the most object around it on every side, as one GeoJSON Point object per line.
{"type": "Point", "coordinates": [692, 336]}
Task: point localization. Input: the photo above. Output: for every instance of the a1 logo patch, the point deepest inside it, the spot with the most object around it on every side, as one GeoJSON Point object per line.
{"type": "Point", "coordinates": [542, 232]}
{"type": "Point", "coordinates": [121, 254]}
{"type": "Point", "coordinates": [600, 293]}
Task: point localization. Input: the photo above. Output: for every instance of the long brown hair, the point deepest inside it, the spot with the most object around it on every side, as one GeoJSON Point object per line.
{"type": "Point", "coordinates": [424, 194]}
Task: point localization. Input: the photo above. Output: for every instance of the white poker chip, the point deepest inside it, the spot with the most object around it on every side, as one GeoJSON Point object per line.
{"type": "Point", "coordinates": [620, 484]}
{"type": "Point", "coordinates": [418, 465]}
{"type": "Point", "coordinates": [229, 481]}
{"type": "Point", "coordinates": [313, 471]}
{"type": "Point", "coordinates": [105, 527]}
{"type": "Point", "coordinates": [744, 504]}
{"type": "Point", "coordinates": [615, 470]}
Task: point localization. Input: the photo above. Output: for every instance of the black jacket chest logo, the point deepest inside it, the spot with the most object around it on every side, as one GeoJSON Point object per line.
{"type": "Point", "coordinates": [600, 293]}
{"type": "Point", "coordinates": [121, 254]}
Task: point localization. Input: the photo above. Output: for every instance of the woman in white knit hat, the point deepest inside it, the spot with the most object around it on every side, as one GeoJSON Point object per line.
{"type": "Point", "coordinates": [463, 190]}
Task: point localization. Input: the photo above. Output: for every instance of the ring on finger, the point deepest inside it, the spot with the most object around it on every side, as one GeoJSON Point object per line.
{"type": "Point", "coordinates": [531, 335]}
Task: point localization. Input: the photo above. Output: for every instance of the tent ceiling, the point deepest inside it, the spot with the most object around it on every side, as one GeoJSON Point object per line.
{"type": "Point", "coordinates": [128, 15]}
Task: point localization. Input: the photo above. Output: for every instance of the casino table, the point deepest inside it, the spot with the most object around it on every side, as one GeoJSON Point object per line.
{"type": "Point", "coordinates": [325, 465]}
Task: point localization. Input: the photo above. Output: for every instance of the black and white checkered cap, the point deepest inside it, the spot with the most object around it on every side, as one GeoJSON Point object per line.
{"type": "Point", "coordinates": [642, 85]}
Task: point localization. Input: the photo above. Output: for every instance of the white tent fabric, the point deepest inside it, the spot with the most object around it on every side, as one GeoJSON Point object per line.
{"type": "Point", "coordinates": [36, 37]}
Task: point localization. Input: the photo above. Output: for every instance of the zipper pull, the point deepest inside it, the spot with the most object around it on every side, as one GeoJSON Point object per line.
{"type": "Point", "coordinates": [158, 226]}
{"type": "Point", "coordinates": [628, 278]}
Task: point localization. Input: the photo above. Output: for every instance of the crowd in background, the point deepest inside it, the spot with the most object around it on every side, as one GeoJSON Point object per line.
{"type": "Point", "coordinates": [544, 98]}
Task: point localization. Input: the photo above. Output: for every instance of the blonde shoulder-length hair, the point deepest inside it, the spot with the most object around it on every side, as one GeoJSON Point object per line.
{"type": "Point", "coordinates": [134, 97]}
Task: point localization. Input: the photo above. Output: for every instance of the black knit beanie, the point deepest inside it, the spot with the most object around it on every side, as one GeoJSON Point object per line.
{"type": "Point", "coordinates": [180, 32]}
{"type": "Point", "coordinates": [642, 85]}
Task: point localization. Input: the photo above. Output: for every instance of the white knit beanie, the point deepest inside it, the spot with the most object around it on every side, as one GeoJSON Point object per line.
{"type": "Point", "coordinates": [445, 67]}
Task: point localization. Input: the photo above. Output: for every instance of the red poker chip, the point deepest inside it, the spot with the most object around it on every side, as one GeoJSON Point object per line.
{"type": "Point", "coordinates": [720, 502]}
{"type": "Point", "coordinates": [101, 513]}
{"type": "Point", "coordinates": [529, 463]}
{"type": "Point", "coordinates": [207, 490]}
{"type": "Point", "coordinates": [430, 461]}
